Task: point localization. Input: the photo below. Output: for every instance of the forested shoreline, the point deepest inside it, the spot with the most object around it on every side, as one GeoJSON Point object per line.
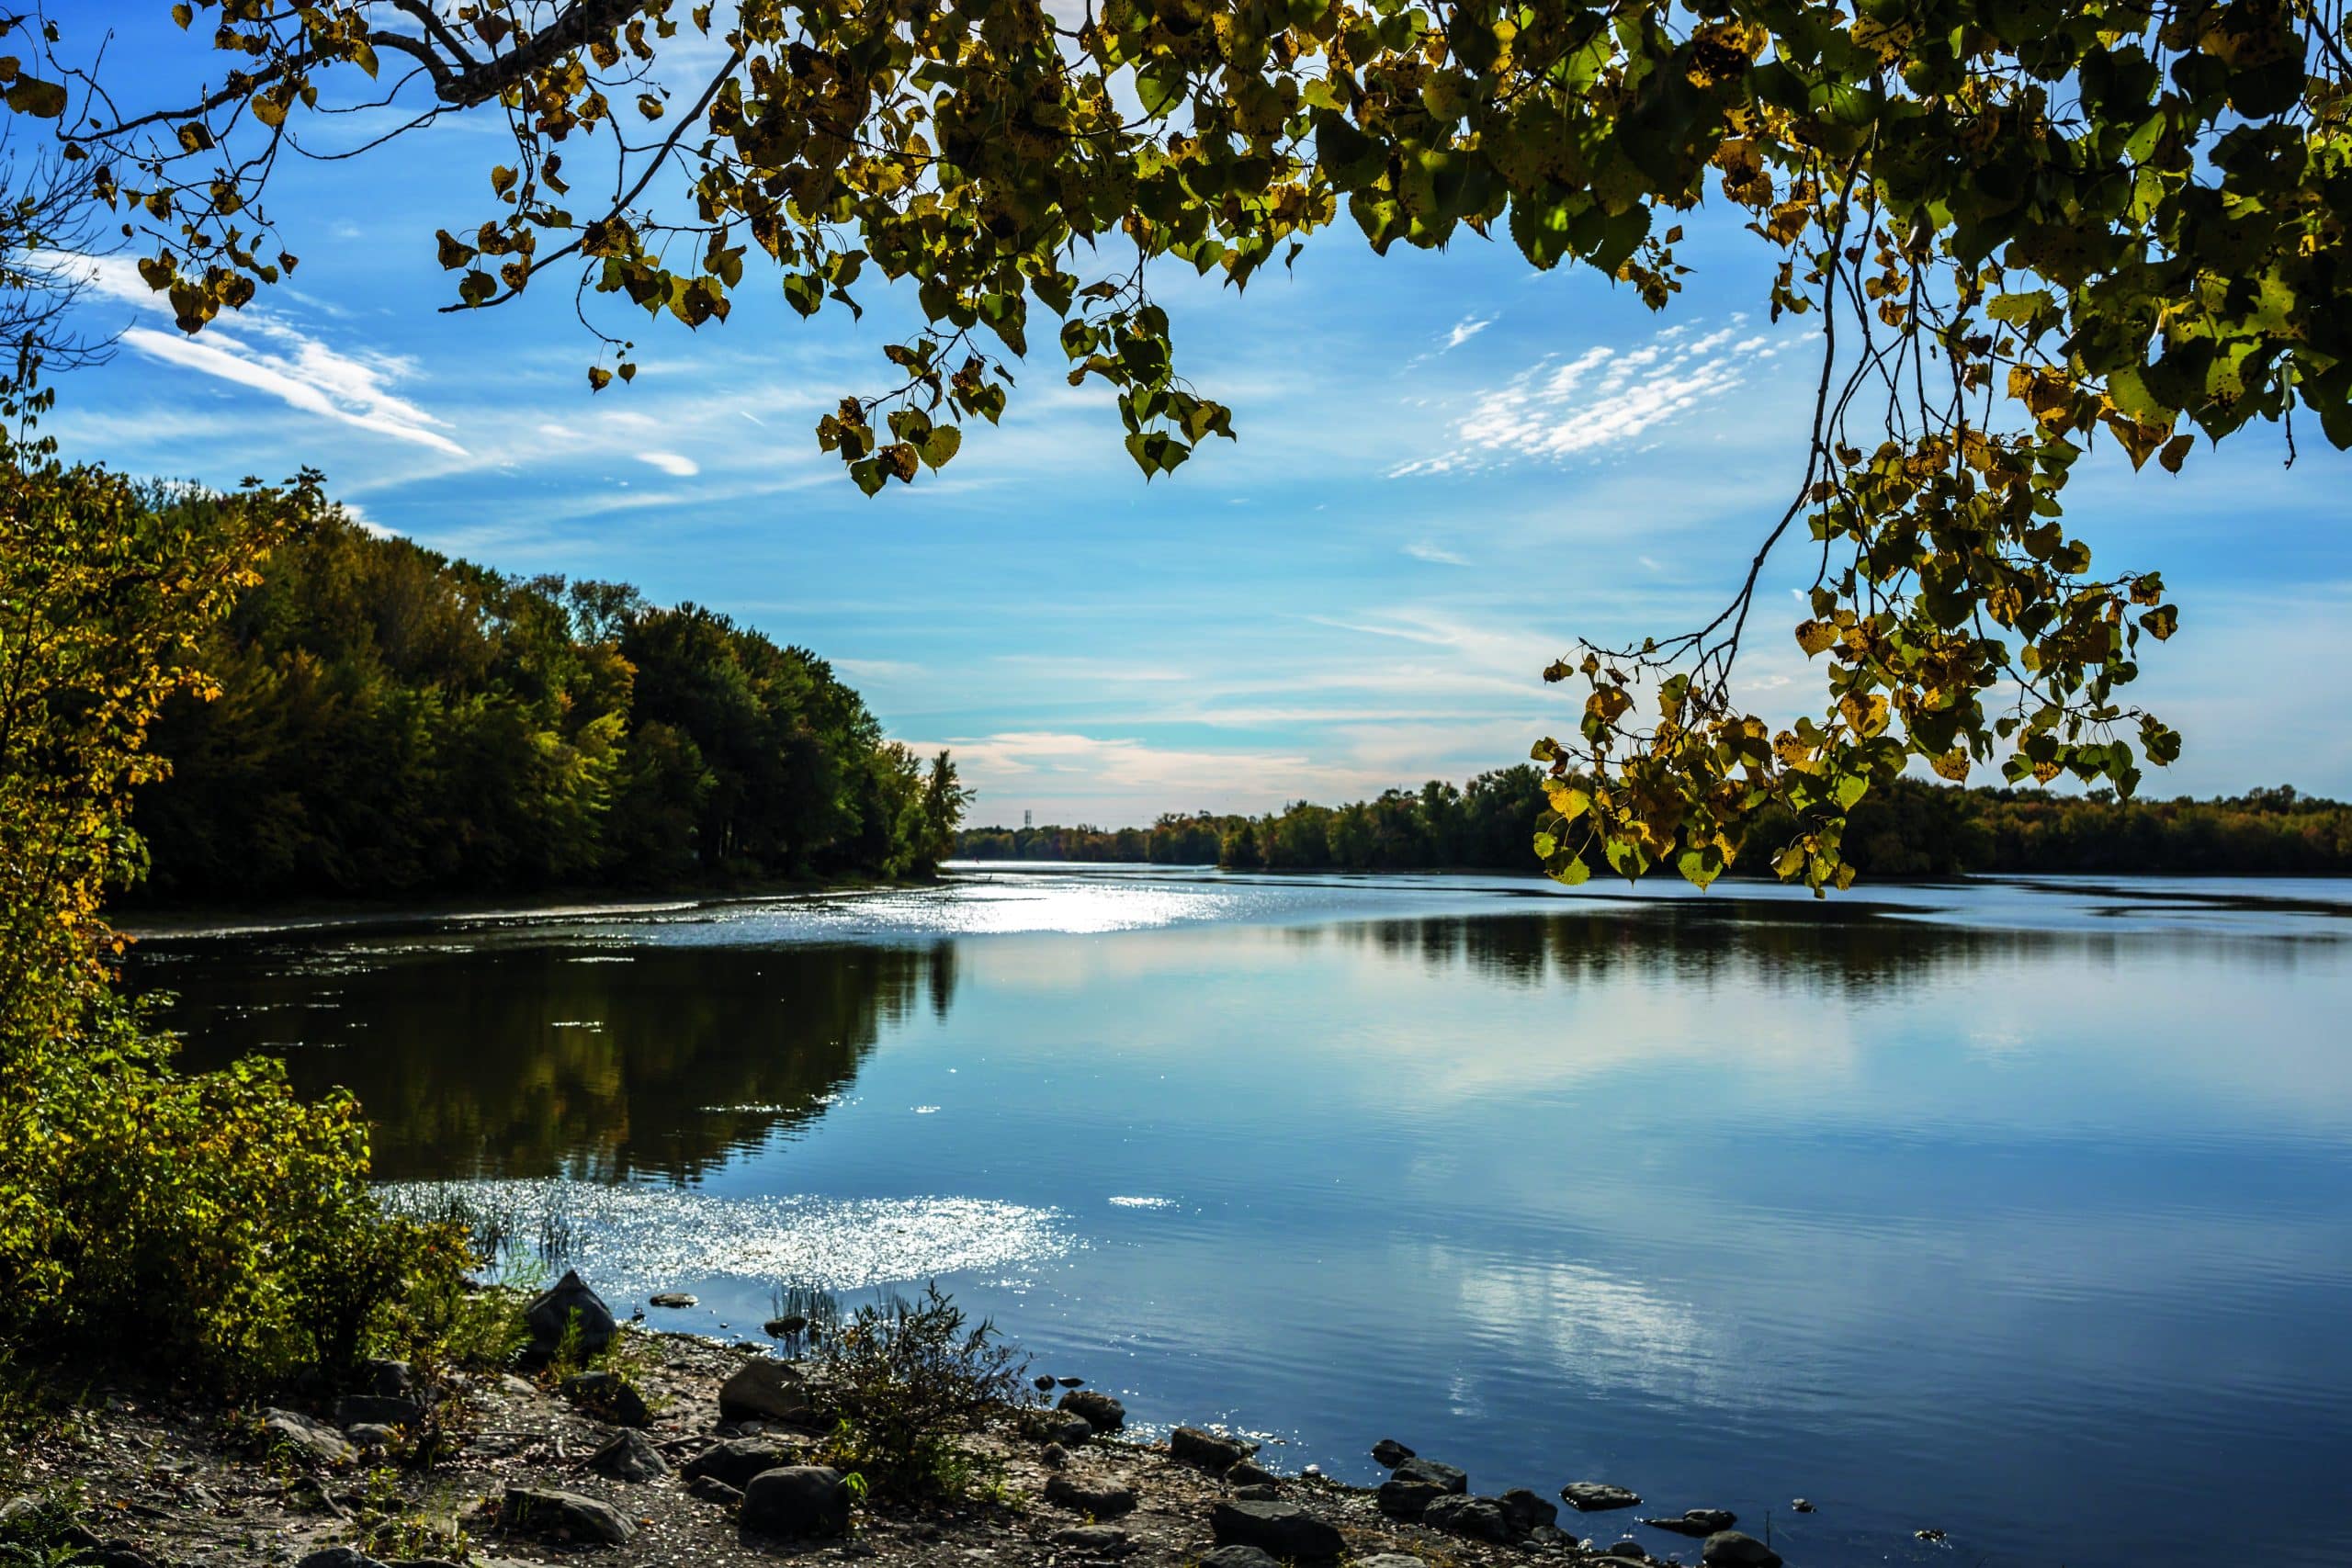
{"type": "Point", "coordinates": [1910, 829]}
{"type": "Point", "coordinates": [392, 723]}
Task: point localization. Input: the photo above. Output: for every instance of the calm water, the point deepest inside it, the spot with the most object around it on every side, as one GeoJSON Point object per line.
{"type": "Point", "coordinates": [2020, 1212]}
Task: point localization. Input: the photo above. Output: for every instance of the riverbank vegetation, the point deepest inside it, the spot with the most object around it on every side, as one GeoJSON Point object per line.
{"type": "Point", "coordinates": [389, 722]}
{"type": "Point", "coordinates": [1907, 828]}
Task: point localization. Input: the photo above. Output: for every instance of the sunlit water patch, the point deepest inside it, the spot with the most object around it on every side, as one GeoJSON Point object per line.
{"type": "Point", "coordinates": [634, 1240]}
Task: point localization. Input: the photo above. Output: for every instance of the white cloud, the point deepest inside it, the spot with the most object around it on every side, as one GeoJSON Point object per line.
{"type": "Point", "coordinates": [671, 463]}
{"type": "Point", "coordinates": [1465, 329]}
{"type": "Point", "coordinates": [1429, 552]}
{"type": "Point", "coordinates": [1604, 398]}
{"type": "Point", "coordinates": [350, 387]}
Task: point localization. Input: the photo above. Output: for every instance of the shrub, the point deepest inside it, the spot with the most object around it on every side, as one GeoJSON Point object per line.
{"type": "Point", "coordinates": [911, 1378]}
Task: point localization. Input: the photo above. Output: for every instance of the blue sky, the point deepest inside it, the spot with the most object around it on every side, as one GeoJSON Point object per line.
{"type": "Point", "coordinates": [1449, 468]}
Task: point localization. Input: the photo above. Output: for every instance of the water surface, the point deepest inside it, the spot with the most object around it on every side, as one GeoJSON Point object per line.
{"type": "Point", "coordinates": [2023, 1211]}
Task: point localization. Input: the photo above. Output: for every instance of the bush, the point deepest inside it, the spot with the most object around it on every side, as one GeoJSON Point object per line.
{"type": "Point", "coordinates": [910, 1379]}
{"type": "Point", "coordinates": [211, 1225]}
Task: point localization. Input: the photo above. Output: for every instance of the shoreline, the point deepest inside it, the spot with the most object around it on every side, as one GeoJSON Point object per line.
{"type": "Point", "coordinates": [157, 1479]}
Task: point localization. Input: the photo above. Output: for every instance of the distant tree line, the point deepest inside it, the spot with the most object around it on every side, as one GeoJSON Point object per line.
{"type": "Point", "coordinates": [1910, 829]}
{"type": "Point", "coordinates": [391, 722]}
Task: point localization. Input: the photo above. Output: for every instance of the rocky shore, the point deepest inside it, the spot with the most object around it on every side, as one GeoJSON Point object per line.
{"type": "Point", "coordinates": [702, 1453]}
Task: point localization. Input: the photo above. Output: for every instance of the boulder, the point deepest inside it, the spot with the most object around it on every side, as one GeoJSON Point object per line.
{"type": "Point", "coordinates": [550, 1316]}
{"type": "Point", "coordinates": [1389, 1453]}
{"type": "Point", "coordinates": [1070, 1431]}
{"type": "Point", "coordinates": [1632, 1551]}
{"type": "Point", "coordinates": [1402, 1499]}
{"type": "Point", "coordinates": [338, 1557]}
{"type": "Point", "coordinates": [1444, 1477]}
{"type": "Point", "coordinates": [769, 1390]}
{"type": "Point", "coordinates": [629, 1457]}
{"type": "Point", "coordinates": [798, 1500]}
{"type": "Point", "coordinates": [1044, 1382]}
{"type": "Point", "coordinates": [368, 1434]}
{"type": "Point", "coordinates": [1097, 1497]}
{"type": "Point", "coordinates": [1284, 1531]}
{"type": "Point", "coordinates": [1525, 1510]}
{"type": "Point", "coordinates": [557, 1515]}
{"type": "Point", "coordinates": [1210, 1451]}
{"type": "Point", "coordinates": [1251, 1557]}
{"type": "Point", "coordinates": [1800, 1506]}
{"type": "Point", "coordinates": [1053, 1456]}
{"type": "Point", "coordinates": [1730, 1549]}
{"type": "Point", "coordinates": [710, 1489]}
{"type": "Point", "coordinates": [378, 1410]}
{"type": "Point", "coordinates": [1097, 1409]}
{"type": "Point", "coordinates": [1250, 1472]}
{"type": "Point", "coordinates": [671, 1298]}
{"type": "Point", "coordinates": [783, 1327]}
{"type": "Point", "coordinates": [737, 1459]}
{"type": "Point", "coordinates": [607, 1396]}
{"type": "Point", "coordinates": [1480, 1519]}
{"type": "Point", "coordinates": [313, 1441]}
{"type": "Point", "coordinates": [1598, 1496]}
{"type": "Point", "coordinates": [1097, 1541]}
{"type": "Point", "coordinates": [1260, 1493]}
{"type": "Point", "coordinates": [388, 1379]}
{"type": "Point", "coordinates": [1697, 1523]}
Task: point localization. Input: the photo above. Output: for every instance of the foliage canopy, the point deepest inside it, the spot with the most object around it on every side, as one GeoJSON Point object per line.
{"type": "Point", "coordinates": [2022, 226]}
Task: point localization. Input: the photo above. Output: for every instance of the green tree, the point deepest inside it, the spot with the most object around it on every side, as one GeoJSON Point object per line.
{"type": "Point", "coordinates": [2025, 227]}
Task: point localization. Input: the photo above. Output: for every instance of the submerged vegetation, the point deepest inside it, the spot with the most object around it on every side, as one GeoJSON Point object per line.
{"type": "Point", "coordinates": [1907, 828]}
{"type": "Point", "coordinates": [390, 722]}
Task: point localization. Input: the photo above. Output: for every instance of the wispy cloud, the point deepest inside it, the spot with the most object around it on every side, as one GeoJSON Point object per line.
{"type": "Point", "coordinates": [1429, 552]}
{"type": "Point", "coordinates": [672, 463]}
{"type": "Point", "coordinates": [1465, 329]}
{"type": "Point", "coordinates": [1603, 397]}
{"type": "Point", "coordinates": [267, 352]}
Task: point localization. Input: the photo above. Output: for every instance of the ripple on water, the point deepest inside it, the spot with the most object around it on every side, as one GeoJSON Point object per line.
{"type": "Point", "coordinates": [630, 1239]}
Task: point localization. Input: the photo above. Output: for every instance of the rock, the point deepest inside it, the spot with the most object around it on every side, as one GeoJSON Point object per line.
{"type": "Point", "coordinates": [1251, 1557]}
{"type": "Point", "coordinates": [1729, 1549]}
{"type": "Point", "coordinates": [1262, 1491]}
{"type": "Point", "coordinates": [338, 1557]}
{"type": "Point", "coordinates": [1444, 1477]}
{"type": "Point", "coordinates": [1390, 1559]}
{"type": "Point", "coordinates": [1598, 1496]}
{"type": "Point", "coordinates": [369, 1434]}
{"type": "Point", "coordinates": [607, 1396]}
{"type": "Point", "coordinates": [737, 1459]}
{"type": "Point", "coordinates": [1100, 1541]}
{"type": "Point", "coordinates": [1071, 1432]}
{"type": "Point", "coordinates": [1312, 1469]}
{"type": "Point", "coordinates": [1045, 1383]}
{"type": "Point", "coordinates": [1697, 1522]}
{"type": "Point", "coordinates": [1250, 1472]}
{"type": "Point", "coordinates": [1480, 1519]}
{"type": "Point", "coordinates": [1402, 1499]}
{"type": "Point", "coordinates": [769, 1390]}
{"type": "Point", "coordinates": [552, 1515]}
{"type": "Point", "coordinates": [1800, 1506]}
{"type": "Point", "coordinates": [1055, 1456]}
{"type": "Point", "coordinates": [1389, 1453]}
{"type": "Point", "coordinates": [378, 1410]}
{"type": "Point", "coordinates": [1929, 1536]}
{"type": "Point", "coordinates": [710, 1489]}
{"type": "Point", "coordinates": [797, 1501]}
{"type": "Point", "coordinates": [1282, 1531]}
{"type": "Point", "coordinates": [1101, 1499]}
{"type": "Point", "coordinates": [1098, 1410]}
{"type": "Point", "coordinates": [1210, 1451]}
{"type": "Point", "coordinates": [313, 1441]}
{"type": "Point", "coordinates": [1525, 1510]}
{"type": "Point", "coordinates": [551, 1315]}
{"type": "Point", "coordinates": [671, 1298]}
{"type": "Point", "coordinates": [1632, 1551]}
{"type": "Point", "coordinates": [115, 1554]}
{"type": "Point", "coordinates": [388, 1379]}
{"type": "Point", "coordinates": [629, 1457]}
{"type": "Point", "coordinates": [783, 1327]}
{"type": "Point", "coordinates": [1071, 1383]}
{"type": "Point", "coordinates": [1553, 1538]}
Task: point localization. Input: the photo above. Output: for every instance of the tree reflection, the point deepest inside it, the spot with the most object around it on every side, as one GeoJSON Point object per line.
{"type": "Point", "coordinates": [519, 1061]}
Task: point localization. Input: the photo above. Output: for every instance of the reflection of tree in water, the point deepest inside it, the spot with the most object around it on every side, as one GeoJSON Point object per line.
{"type": "Point", "coordinates": [535, 1061]}
{"type": "Point", "coordinates": [1848, 948]}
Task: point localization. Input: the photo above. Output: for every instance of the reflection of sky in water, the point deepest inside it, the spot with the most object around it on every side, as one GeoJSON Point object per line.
{"type": "Point", "coordinates": [2020, 1210]}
